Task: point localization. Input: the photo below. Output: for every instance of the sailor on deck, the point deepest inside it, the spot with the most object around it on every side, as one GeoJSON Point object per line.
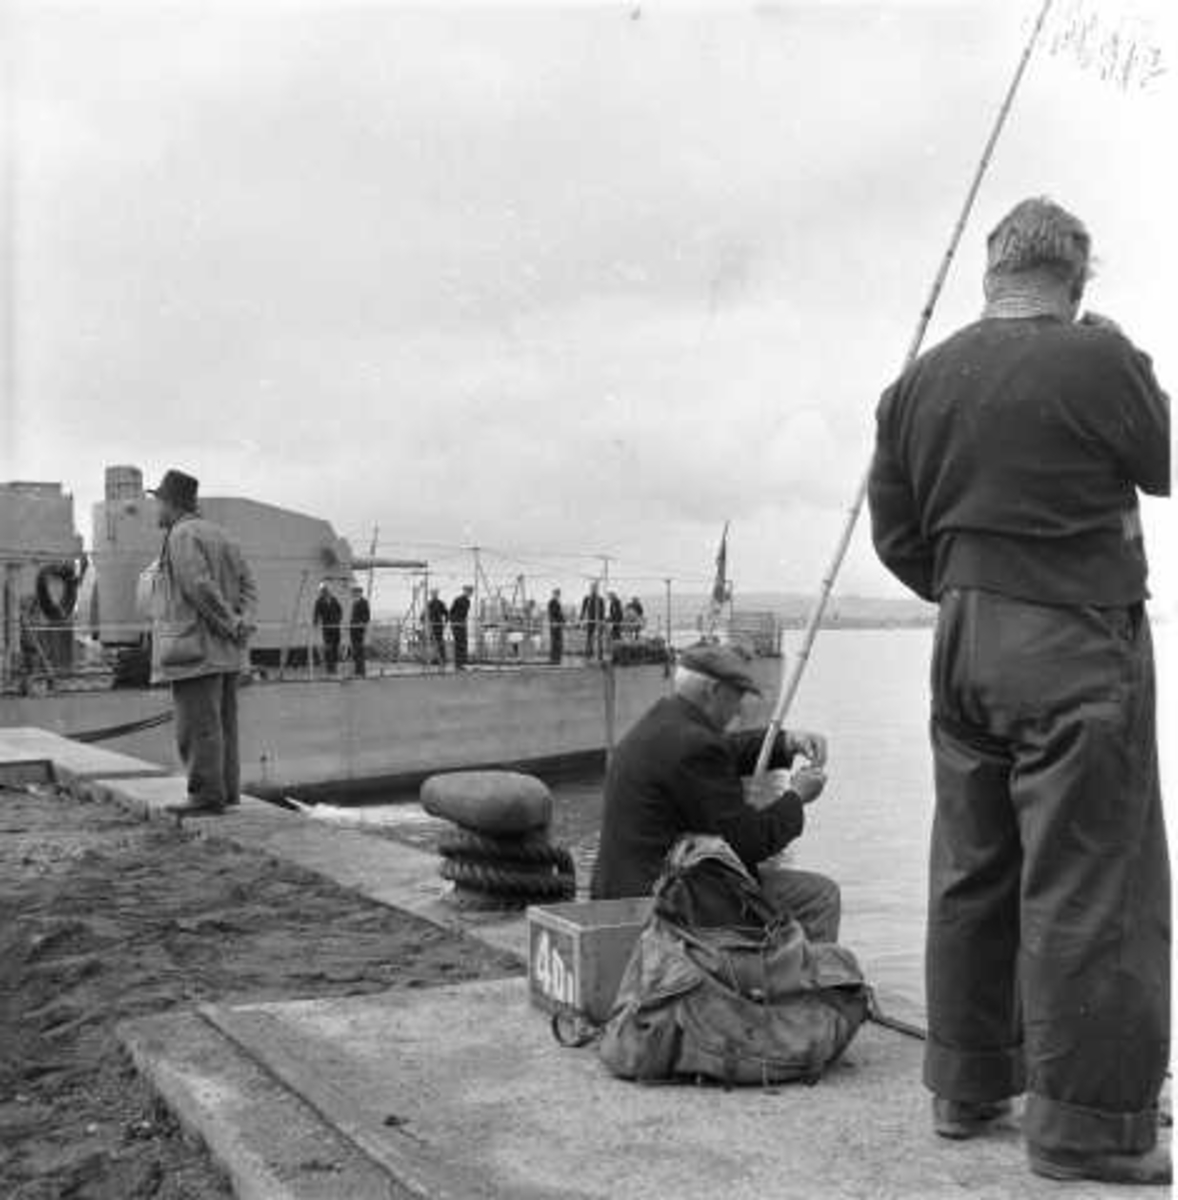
{"type": "Point", "coordinates": [678, 771]}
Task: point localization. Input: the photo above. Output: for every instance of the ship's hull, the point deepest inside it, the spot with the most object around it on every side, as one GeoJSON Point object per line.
{"type": "Point", "coordinates": [334, 737]}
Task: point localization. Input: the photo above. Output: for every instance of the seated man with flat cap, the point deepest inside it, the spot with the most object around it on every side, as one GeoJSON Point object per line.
{"type": "Point", "coordinates": [679, 771]}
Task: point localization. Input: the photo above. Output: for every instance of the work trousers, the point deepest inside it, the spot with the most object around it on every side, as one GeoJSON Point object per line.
{"type": "Point", "coordinates": [358, 660]}
{"type": "Point", "coordinates": [1048, 951]}
{"type": "Point", "coordinates": [813, 899]}
{"type": "Point", "coordinates": [458, 632]}
{"type": "Point", "coordinates": [206, 736]}
{"type": "Point", "coordinates": [593, 637]}
{"type": "Point", "coordinates": [331, 640]}
{"type": "Point", "coordinates": [556, 644]}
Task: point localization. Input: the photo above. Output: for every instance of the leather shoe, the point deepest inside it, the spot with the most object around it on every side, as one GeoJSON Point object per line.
{"type": "Point", "coordinates": [195, 808]}
{"type": "Point", "coordinates": [960, 1119]}
{"type": "Point", "coordinates": [1152, 1167]}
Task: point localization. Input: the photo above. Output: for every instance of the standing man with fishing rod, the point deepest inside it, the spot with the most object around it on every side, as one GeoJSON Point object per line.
{"type": "Point", "coordinates": [1004, 487]}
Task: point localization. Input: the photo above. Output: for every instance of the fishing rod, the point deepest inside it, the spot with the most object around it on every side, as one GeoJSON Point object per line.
{"type": "Point", "coordinates": [790, 686]}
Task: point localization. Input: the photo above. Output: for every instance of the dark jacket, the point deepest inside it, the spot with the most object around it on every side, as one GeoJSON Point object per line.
{"type": "Point", "coordinates": [1008, 459]}
{"type": "Point", "coordinates": [436, 612]}
{"type": "Point", "coordinates": [675, 773]}
{"type": "Point", "coordinates": [327, 611]}
{"type": "Point", "coordinates": [460, 610]}
{"type": "Point", "coordinates": [361, 615]}
{"type": "Point", "coordinates": [616, 615]}
{"type": "Point", "coordinates": [555, 612]}
{"type": "Point", "coordinates": [593, 608]}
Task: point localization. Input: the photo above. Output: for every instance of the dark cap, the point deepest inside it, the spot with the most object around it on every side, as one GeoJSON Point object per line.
{"type": "Point", "coordinates": [728, 664]}
{"type": "Point", "coordinates": [178, 489]}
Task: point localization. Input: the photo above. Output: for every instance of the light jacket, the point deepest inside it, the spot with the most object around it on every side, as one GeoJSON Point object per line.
{"type": "Point", "coordinates": [203, 602]}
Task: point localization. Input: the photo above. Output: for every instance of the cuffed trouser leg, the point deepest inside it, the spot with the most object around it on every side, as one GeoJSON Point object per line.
{"type": "Point", "coordinates": [812, 898]}
{"type": "Point", "coordinates": [1096, 904]}
{"type": "Point", "coordinates": [231, 762]}
{"type": "Point", "coordinates": [200, 735]}
{"type": "Point", "coordinates": [1062, 700]}
{"type": "Point", "coordinates": [974, 1050]}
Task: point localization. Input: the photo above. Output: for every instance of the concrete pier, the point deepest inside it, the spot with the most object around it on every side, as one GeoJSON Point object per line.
{"type": "Point", "coordinates": [461, 1092]}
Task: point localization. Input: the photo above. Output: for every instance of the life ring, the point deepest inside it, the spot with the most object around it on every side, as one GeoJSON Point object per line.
{"type": "Point", "coordinates": [57, 609]}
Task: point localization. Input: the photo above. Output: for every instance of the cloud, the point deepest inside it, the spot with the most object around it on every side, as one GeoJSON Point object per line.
{"type": "Point", "coordinates": [530, 275]}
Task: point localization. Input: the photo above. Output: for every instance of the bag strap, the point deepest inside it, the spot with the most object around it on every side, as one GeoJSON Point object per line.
{"type": "Point", "coordinates": [572, 1029]}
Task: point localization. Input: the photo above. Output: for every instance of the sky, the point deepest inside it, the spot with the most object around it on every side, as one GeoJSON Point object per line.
{"type": "Point", "coordinates": [560, 281]}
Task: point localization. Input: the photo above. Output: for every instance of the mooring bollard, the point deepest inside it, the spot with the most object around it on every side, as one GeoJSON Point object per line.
{"type": "Point", "coordinates": [499, 854]}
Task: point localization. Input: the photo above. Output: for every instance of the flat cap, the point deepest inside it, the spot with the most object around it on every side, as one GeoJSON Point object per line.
{"type": "Point", "coordinates": [728, 664]}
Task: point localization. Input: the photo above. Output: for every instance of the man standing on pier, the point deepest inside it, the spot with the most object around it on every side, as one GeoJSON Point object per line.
{"type": "Point", "coordinates": [203, 599]}
{"type": "Point", "coordinates": [1004, 487]}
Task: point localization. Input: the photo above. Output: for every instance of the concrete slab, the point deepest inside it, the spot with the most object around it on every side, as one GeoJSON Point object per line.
{"type": "Point", "coordinates": [150, 797]}
{"type": "Point", "coordinates": [383, 870]}
{"type": "Point", "coordinates": [73, 762]}
{"type": "Point", "coordinates": [273, 1146]}
{"type": "Point", "coordinates": [462, 1092]}
{"type": "Point", "coordinates": [19, 774]}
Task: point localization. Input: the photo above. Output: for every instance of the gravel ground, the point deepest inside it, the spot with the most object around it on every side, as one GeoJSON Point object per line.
{"type": "Point", "coordinates": [103, 917]}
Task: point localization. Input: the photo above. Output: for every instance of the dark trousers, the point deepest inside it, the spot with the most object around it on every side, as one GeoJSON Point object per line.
{"type": "Point", "coordinates": [206, 736]}
{"type": "Point", "coordinates": [556, 644]}
{"type": "Point", "coordinates": [459, 634]}
{"type": "Point", "coordinates": [331, 639]}
{"type": "Point", "coordinates": [1048, 952]}
{"type": "Point", "coordinates": [593, 632]}
{"type": "Point", "coordinates": [813, 899]}
{"type": "Point", "coordinates": [438, 640]}
{"type": "Point", "coordinates": [358, 661]}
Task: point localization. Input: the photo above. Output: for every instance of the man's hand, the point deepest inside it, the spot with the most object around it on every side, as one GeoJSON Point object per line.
{"type": "Point", "coordinates": [811, 746]}
{"type": "Point", "coordinates": [808, 782]}
{"type": "Point", "coordinates": [1100, 321]}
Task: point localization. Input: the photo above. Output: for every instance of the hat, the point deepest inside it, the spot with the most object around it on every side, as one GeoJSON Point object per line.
{"type": "Point", "coordinates": [728, 664]}
{"type": "Point", "coordinates": [178, 489]}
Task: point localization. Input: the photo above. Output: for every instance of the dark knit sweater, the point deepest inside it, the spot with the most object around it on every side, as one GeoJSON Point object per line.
{"type": "Point", "coordinates": [1008, 457]}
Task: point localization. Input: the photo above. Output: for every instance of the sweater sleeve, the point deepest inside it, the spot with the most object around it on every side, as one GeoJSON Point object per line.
{"type": "Point", "coordinates": [1142, 432]}
{"type": "Point", "coordinates": [709, 793]}
{"type": "Point", "coordinates": [895, 520]}
{"type": "Point", "coordinates": [746, 744]}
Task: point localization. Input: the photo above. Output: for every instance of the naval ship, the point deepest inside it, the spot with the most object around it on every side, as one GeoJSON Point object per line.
{"type": "Point", "coordinates": [73, 657]}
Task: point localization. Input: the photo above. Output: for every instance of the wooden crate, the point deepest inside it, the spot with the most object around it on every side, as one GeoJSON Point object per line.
{"type": "Point", "coordinates": [578, 951]}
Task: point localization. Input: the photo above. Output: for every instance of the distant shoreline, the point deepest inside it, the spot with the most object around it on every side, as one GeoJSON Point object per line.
{"type": "Point", "coordinates": [915, 622]}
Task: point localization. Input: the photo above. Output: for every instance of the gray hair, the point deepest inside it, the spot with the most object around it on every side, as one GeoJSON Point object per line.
{"type": "Point", "coordinates": [1038, 235]}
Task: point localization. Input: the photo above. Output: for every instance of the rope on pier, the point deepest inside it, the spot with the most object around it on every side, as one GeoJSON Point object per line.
{"type": "Point", "coordinates": [506, 882]}
{"type": "Point", "coordinates": [109, 732]}
{"type": "Point", "coordinates": [530, 848]}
